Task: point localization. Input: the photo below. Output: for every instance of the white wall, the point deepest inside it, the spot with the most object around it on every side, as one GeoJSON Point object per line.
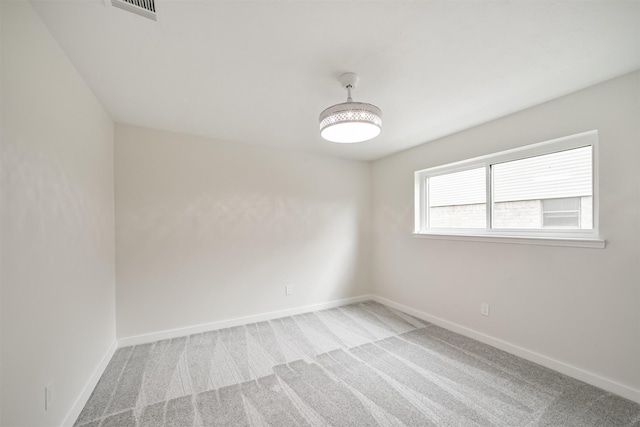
{"type": "Point", "coordinates": [58, 313]}
{"type": "Point", "coordinates": [209, 230]}
{"type": "Point", "coordinates": [578, 306]}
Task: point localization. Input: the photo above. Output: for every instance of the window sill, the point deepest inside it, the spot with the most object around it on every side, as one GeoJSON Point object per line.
{"type": "Point", "coordinates": [519, 240]}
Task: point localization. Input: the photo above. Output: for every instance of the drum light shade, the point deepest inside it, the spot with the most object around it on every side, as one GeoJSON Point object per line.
{"type": "Point", "coordinates": [350, 121]}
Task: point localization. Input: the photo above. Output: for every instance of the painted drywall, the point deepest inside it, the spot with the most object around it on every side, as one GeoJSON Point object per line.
{"type": "Point", "coordinates": [58, 283]}
{"type": "Point", "coordinates": [1, 138]}
{"type": "Point", "coordinates": [576, 305]}
{"type": "Point", "coordinates": [210, 230]}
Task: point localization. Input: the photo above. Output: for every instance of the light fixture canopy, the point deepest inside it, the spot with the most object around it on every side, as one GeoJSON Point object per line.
{"type": "Point", "coordinates": [350, 121]}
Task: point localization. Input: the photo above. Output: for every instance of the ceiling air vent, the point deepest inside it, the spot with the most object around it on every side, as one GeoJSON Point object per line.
{"type": "Point", "coordinates": [146, 8]}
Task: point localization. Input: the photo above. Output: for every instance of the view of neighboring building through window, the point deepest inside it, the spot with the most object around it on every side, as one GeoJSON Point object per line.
{"type": "Point", "coordinates": [546, 187]}
{"type": "Point", "coordinates": [458, 199]}
{"type": "Point", "coordinates": [543, 191]}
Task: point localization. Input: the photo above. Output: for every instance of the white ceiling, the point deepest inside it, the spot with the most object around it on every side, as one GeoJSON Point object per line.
{"type": "Point", "coordinates": [261, 72]}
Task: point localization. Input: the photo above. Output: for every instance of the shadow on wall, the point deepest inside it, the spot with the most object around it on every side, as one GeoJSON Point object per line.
{"type": "Point", "coordinates": [249, 241]}
{"type": "Point", "coordinates": [46, 196]}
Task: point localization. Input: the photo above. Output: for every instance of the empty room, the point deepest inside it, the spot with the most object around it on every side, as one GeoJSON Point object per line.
{"type": "Point", "coordinates": [319, 213]}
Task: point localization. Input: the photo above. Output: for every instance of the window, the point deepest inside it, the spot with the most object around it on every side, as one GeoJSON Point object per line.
{"type": "Point", "coordinates": [544, 190]}
{"type": "Point", "coordinates": [458, 200]}
{"type": "Point", "coordinates": [561, 213]}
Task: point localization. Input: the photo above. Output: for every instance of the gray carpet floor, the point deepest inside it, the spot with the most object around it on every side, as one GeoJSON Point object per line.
{"type": "Point", "coordinates": [358, 365]}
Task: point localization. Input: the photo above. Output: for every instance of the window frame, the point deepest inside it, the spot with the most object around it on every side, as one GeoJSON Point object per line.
{"type": "Point", "coordinates": [550, 236]}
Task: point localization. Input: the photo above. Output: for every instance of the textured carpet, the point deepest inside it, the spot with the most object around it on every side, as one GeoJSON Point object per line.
{"type": "Point", "coordinates": [358, 365]}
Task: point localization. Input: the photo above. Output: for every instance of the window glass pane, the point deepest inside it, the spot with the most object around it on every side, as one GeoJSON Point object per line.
{"type": "Point", "coordinates": [561, 219]}
{"type": "Point", "coordinates": [564, 204]}
{"type": "Point", "coordinates": [552, 190]}
{"type": "Point", "coordinates": [561, 213]}
{"type": "Point", "coordinates": [458, 200]}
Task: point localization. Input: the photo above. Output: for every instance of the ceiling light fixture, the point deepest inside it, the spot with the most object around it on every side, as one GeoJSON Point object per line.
{"type": "Point", "coordinates": [350, 121]}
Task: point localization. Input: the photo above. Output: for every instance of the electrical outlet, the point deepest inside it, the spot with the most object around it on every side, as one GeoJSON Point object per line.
{"type": "Point", "coordinates": [48, 396]}
{"type": "Point", "coordinates": [484, 308]}
{"type": "Point", "coordinates": [288, 290]}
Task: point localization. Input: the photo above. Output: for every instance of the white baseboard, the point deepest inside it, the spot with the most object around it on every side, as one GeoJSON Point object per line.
{"type": "Point", "coordinates": [73, 414]}
{"type": "Point", "coordinates": [228, 323]}
{"type": "Point", "coordinates": [562, 367]}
